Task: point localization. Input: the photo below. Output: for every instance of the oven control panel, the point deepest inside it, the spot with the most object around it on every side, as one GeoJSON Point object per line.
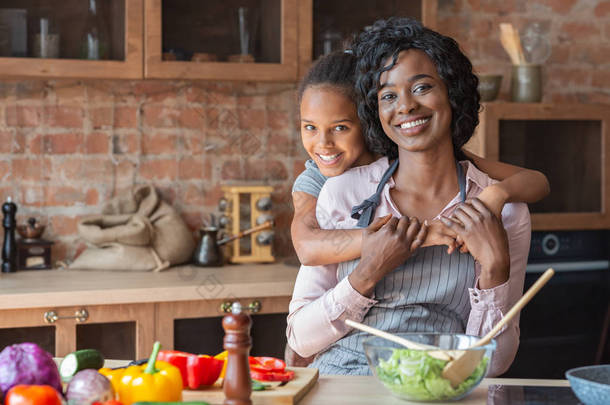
{"type": "Point", "coordinates": [569, 245]}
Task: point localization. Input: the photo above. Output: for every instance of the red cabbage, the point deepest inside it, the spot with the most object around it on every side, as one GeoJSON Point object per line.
{"type": "Point", "coordinates": [27, 363]}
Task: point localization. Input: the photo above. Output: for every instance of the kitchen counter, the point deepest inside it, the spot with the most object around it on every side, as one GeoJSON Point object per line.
{"type": "Point", "coordinates": [44, 288]}
{"type": "Point", "coordinates": [361, 390]}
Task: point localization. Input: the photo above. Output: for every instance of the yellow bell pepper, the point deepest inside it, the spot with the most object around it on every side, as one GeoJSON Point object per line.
{"type": "Point", "coordinates": [154, 381]}
{"type": "Point", "coordinates": [223, 356]}
{"type": "Point", "coordinates": [114, 375]}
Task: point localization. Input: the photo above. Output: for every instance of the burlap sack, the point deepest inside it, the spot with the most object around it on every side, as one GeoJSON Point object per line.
{"type": "Point", "coordinates": [137, 231]}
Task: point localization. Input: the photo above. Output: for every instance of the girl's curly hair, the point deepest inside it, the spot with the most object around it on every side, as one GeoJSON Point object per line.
{"type": "Point", "coordinates": [386, 39]}
{"type": "Point", "coordinates": [337, 69]}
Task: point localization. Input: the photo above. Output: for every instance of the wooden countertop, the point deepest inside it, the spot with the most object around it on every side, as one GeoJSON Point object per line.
{"type": "Point", "coordinates": [361, 390]}
{"type": "Point", "coordinates": [42, 288]}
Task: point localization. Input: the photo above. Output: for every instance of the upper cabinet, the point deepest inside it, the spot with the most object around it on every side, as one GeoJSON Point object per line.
{"type": "Point", "coordinates": [259, 40]}
{"type": "Point", "coordinates": [228, 40]}
{"type": "Point", "coordinates": [71, 38]}
{"type": "Point", "coordinates": [328, 25]}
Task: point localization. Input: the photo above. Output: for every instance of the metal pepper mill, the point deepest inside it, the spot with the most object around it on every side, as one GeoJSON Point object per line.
{"type": "Point", "coordinates": [237, 384]}
{"type": "Point", "coordinates": [9, 248]}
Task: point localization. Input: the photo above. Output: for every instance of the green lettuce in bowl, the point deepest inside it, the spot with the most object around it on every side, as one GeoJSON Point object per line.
{"type": "Point", "coordinates": [415, 375]}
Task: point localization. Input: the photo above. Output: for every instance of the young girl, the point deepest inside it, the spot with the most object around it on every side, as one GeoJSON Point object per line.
{"type": "Point", "coordinates": [332, 136]}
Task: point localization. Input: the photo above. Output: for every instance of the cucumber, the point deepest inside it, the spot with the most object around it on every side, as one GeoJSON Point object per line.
{"type": "Point", "coordinates": [80, 360]}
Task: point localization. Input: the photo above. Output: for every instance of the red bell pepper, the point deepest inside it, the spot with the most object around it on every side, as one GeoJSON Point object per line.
{"type": "Point", "coordinates": [32, 395]}
{"type": "Point", "coordinates": [202, 370]}
{"type": "Point", "coordinates": [178, 359]}
{"type": "Point", "coordinates": [285, 375]}
{"type": "Point", "coordinates": [110, 402]}
{"type": "Point", "coordinates": [266, 364]}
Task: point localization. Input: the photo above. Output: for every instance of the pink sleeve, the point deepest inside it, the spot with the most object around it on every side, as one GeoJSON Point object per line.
{"type": "Point", "coordinates": [318, 308]}
{"type": "Point", "coordinates": [489, 306]}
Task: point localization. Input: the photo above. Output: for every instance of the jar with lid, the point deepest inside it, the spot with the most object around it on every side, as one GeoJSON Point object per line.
{"type": "Point", "coordinates": [46, 39]}
{"type": "Point", "coordinates": [95, 41]}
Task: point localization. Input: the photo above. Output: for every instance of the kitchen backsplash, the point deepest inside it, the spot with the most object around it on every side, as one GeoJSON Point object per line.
{"type": "Point", "coordinates": [67, 146]}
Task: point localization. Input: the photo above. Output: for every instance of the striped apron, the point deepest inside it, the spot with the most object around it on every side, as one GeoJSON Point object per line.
{"type": "Point", "coordinates": [428, 293]}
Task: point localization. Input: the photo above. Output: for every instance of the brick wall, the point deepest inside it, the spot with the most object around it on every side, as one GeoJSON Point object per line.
{"type": "Point", "coordinates": [66, 147]}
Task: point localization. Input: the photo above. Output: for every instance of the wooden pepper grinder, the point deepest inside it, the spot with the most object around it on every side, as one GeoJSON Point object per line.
{"type": "Point", "coordinates": [237, 384]}
{"type": "Point", "coordinates": [9, 249]}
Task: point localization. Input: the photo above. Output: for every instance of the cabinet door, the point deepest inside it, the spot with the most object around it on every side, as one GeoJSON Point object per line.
{"type": "Point", "coordinates": [27, 325]}
{"type": "Point", "coordinates": [326, 25]}
{"type": "Point", "coordinates": [568, 143]}
{"type": "Point", "coordinates": [228, 40]}
{"type": "Point", "coordinates": [40, 40]}
{"type": "Point", "coordinates": [196, 326]}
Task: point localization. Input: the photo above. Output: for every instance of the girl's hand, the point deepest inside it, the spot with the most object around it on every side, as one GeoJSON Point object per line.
{"type": "Point", "coordinates": [485, 238]}
{"type": "Point", "coordinates": [494, 198]}
{"type": "Point", "coordinates": [440, 234]}
{"type": "Point", "coordinates": [386, 244]}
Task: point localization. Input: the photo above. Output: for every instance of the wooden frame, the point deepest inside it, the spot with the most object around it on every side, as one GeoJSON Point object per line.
{"type": "Point", "coordinates": [486, 143]}
{"type": "Point", "coordinates": [156, 68]}
{"type": "Point", "coordinates": [429, 19]}
{"type": "Point", "coordinates": [130, 68]}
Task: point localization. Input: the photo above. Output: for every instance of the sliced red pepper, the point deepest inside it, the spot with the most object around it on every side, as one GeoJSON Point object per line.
{"type": "Point", "coordinates": [286, 375]}
{"type": "Point", "coordinates": [178, 359]}
{"type": "Point", "coordinates": [202, 370]}
{"type": "Point", "coordinates": [267, 364]}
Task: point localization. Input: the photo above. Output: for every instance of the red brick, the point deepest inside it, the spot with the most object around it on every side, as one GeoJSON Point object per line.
{"type": "Point", "coordinates": [157, 91]}
{"type": "Point", "coordinates": [498, 7]}
{"type": "Point", "coordinates": [19, 144]}
{"type": "Point", "coordinates": [90, 170]}
{"type": "Point", "coordinates": [559, 6]}
{"type": "Point", "coordinates": [32, 195]}
{"type": "Point", "coordinates": [125, 173]}
{"type": "Point", "coordinates": [69, 92]}
{"type": "Point", "coordinates": [559, 77]}
{"type": "Point", "coordinates": [191, 168]}
{"type": "Point", "coordinates": [64, 117]}
{"type": "Point", "coordinates": [97, 142]}
{"type": "Point", "coordinates": [195, 93]}
{"type": "Point", "coordinates": [157, 144]}
{"type": "Point", "coordinates": [602, 9]}
{"type": "Point", "coordinates": [193, 143]}
{"type": "Point", "coordinates": [601, 79]}
{"type": "Point", "coordinates": [265, 170]}
{"type": "Point", "coordinates": [31, 169]}
{"type": "Point", "coordinates": [100, 117]}
{"type": "Point", "coordinates": [59, 252]}
{"type": "Point", "coordinates": [64, 195]}
{"type": "Point", "coordinates": [578, 31]}
{"type": "Point", "coordinates": [192, 118]}
{"type": "Point", "coordinates": [162, 169]}
{"type": "Point", "coordinates": [279, 120]}
{"type": "Point", "coordinates": [6, 141]}
{"type": "Point", "coordinates": [125, 143]}
{"type": "Point", "coordinates": [193, 219]}
{"type": "Point", "coordinates": [594, 54]}
{"type": "Point", "coordinates": [212, 118]}
{"type": "Point", "coordinates": [560, 55]}
{"type": "Point", "coordinates": [228, 121]}
{"type": "Point", "coordinates": [193, 195]}
{"type": "Point", "coordinates": [232, 170]}
{"type": "Point", "coordinates": [62, 143]}
{"type": "Point", "coordinates": [251, 101]}
{"type": "Point", "coordinates": [125, 117]}
{"type": "Point", "coordinates": [64, 225]}
{"type": "Point", "coordinates": [251, 119]}
{"type": "Point", "coordinates": [221, 95]}
{"type": "Point", "coordinates": [157, 116]}
{"type": "Point", "coordinates": [23, 116]}
{"type": "Point", "coordinates": [283, 143]}
{"type": "Point", "coordinates": [5, 170]}
{"type": "Point", "coordinates": [92, 197]}
{"type": "Point", "coordinates": [212, 195]}
{"type": "Point", "coordinates": [281, 97]}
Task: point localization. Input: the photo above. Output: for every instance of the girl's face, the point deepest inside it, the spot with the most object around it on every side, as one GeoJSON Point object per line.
{"type": "Point", "coordinates": [330, 130]}
{"type": "Point", "coordinates": [414, 107]}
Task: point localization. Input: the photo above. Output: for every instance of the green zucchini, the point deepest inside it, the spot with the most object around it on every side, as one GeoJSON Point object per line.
{"type": "Point", "coordinates": [80, 360]}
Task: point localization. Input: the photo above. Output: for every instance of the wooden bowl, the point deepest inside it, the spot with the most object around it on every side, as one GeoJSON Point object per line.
{"type": "Point", "coordinates": [489, 86]}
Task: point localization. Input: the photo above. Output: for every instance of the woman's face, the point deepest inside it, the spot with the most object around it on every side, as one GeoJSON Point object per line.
{"type": "Point", "coordinates": [414, 107]}
{"type": "Point", "coordinates": [330, 130]}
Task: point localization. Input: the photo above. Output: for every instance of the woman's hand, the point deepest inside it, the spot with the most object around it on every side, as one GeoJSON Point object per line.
{"type": "Point", "coordinates": [386, 244]}
{"type": "Point", "coordinates": [485, 238]}
{"type": "Point", "coordinates": [440, 234]}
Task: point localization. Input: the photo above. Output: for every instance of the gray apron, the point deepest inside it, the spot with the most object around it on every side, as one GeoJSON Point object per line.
{"type": "Point", "coordinates": [428, 293]}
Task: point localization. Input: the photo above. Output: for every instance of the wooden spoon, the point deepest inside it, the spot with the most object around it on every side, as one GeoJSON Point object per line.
{"type": "Point", "coordinates": [465, 362]}
{"type": "Point", "coordinates": [409, 344]}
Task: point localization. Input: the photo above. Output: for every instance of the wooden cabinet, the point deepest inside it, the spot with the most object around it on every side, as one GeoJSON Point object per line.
{"type": "Point", "coordinates": [123, 18]}
{"type": "Point", "coordinates": [118, 331]}
{"type": "Point", "coordinates": [326, 25]}
{"type": "Point", "coordinates": [570, 144]}
{"type": "Point", "coordinates": [229, 40]}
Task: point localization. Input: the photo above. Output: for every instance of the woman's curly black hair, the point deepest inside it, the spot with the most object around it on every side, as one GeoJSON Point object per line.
{"type": "Point", "coordinates": [385, 39]}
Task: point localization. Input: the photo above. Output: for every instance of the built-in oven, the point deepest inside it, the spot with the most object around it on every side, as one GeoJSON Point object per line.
{"type": "Point", "coordinates": [563, 326]}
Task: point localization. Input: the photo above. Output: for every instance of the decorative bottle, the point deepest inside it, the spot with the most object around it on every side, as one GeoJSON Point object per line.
{"type": "Point", "coordinates": [95, 44]}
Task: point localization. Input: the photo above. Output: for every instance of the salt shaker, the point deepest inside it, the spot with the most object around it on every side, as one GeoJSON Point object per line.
{"type": "Point", "coordinates": [237, 384]}
{"type": "Point", "coordinates": [9, 249]}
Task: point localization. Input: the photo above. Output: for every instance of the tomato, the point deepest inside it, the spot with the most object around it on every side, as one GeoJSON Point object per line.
{"type": "Point", "coordinates": [267, 364]}
{"type": "Point", "coordinates": [286, 375]}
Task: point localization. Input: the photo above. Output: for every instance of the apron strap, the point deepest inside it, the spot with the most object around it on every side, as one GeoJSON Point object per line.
{"type": "Point", "coordinates": [365, 212]}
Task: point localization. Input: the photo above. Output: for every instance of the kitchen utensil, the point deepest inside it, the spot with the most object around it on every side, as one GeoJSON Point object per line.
{"type": "Point", "coordinates": [465, 362]}
{"type": "Point", "coordinates": [591, 384]}
{"type": "Point", "coordinates": [9, 251]}
{"type": "Point", "coordinates": [288, 394]}
{"type": "Point", "coordinates": [489, 86]}
{"type": "Point", "coordinates": [509, 37]}
{"type": "Point", "coordinates": [208, 252]}
{"type": "Point", "coordinates": [262, 227]}
{"type": "Point", "coordinates": [526, 83]}
{"type": "Point", "coordinates": [398, 339]}
{"type": "Point", "coordinates": [415, 376]}
{"type": "Point", "coordinates": [32, 230]}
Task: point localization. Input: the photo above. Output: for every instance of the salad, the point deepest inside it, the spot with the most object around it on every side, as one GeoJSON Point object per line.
{"type": "Point", "coordinates": [416, 375]}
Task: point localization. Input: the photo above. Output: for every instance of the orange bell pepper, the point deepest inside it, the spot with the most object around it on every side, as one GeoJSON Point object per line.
{"type": "Point", "coordinates": [32, 395]}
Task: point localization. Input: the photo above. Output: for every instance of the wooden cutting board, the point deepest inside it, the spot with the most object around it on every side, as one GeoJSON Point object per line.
{"type": "Point", "coordinates": [289, 394]}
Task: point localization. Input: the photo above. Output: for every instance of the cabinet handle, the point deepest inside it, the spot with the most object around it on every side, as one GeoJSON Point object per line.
{"type": "Point", "coordinates": [81, 315]}
{"type": "Point", "coordinates": [254, 306]}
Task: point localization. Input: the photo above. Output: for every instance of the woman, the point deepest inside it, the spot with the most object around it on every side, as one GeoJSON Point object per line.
{"type": "Point", "coordinates": [419, 106]}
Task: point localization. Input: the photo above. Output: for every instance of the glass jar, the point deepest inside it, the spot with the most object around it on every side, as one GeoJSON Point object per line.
{"type": "Point", "coordinates": [46, 40]}
{"type": "Point", "coordinates": [95, 43]}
